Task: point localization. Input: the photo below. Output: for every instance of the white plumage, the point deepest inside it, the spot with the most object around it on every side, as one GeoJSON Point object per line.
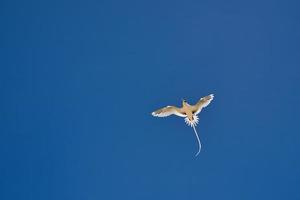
{"type": "Point", "coordinates": [189, 112]}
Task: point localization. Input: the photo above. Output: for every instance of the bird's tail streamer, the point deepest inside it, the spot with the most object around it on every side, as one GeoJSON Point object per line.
{"type": "Point", "coordinates": [198, 140]}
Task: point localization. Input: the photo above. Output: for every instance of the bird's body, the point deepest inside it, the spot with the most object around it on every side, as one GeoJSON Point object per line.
{"type": "Point", "coordinates": [189, 112]}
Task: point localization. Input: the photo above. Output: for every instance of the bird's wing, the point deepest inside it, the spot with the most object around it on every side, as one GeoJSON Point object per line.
{"type": "Point", "coordinates": [167, 111]}
{"type": "Point", "coordinates": [203, 102]}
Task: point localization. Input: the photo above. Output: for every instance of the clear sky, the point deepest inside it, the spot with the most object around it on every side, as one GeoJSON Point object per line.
{"type": "Point", "coordinates": [79, 79]}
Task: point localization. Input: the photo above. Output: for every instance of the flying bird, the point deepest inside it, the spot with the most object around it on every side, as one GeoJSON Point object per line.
{"type": "Point", "coordinates": [189, 112]}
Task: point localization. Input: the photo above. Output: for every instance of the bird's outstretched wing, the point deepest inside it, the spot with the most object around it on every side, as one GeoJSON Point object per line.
{"type": "Point", "coordinates": [203, 102]}
{"type": "Point", "coordinates": [167, 111]}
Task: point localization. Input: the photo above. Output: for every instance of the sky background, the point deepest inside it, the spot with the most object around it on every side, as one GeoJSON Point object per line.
{"type": "Point", "coordinates": [79, 79]}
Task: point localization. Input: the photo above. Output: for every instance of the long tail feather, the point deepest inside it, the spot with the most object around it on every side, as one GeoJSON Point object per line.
{"type": "Point", "coordinates": [198, 139]}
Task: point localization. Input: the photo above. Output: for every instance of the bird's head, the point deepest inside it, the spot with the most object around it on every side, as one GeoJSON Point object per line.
{"type": "Point", "coordinates": [183, 101]}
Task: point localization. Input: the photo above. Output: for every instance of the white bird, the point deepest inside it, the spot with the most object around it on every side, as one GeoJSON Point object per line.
{"type": "Point", "coordinates": [190, 112]}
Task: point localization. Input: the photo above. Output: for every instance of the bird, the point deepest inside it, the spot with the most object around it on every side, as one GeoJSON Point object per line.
{"type": "Point", "coordinates": [189, 112]}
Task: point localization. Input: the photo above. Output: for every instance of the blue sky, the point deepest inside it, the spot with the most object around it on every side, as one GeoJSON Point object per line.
{"type": "Point", "coordinates": [79, 79]}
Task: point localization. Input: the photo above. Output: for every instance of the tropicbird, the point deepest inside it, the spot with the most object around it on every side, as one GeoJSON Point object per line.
{"type": "Point", "coordinates": [189, 112]}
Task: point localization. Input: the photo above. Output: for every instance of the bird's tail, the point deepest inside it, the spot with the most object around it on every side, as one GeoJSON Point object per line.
{"type": "Point", "coordinates": [198, 140]}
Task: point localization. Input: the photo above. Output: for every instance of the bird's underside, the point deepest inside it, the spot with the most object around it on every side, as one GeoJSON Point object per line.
{"type": "Point", "coordinates": [186, 110]}
{"type": "Point", "coordinates": [189, 112]}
